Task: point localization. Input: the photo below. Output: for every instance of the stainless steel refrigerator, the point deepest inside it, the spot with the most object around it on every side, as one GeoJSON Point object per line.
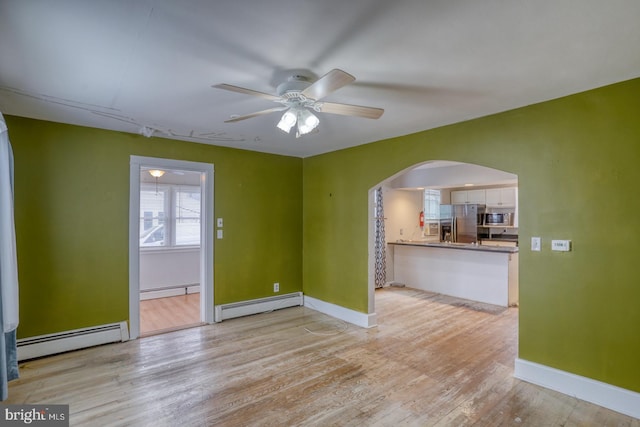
{"type": "Point", "coordinates": [459, 223]}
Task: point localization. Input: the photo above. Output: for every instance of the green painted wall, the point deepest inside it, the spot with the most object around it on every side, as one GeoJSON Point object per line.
{"type": "Point", "coordinates": [72, 207]}
{"type": "Point", "coordinates": [578, 163]}
{"type": "Point", "coordinates": [577, 160]}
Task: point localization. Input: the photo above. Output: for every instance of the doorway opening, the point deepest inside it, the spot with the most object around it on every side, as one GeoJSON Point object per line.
{"type": "Point", "coordinates": [404, 207]}
{"type": "Point", "coordinates": [170, 245]}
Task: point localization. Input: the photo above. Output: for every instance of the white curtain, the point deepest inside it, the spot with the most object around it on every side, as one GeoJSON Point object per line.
{"type": "Point", "coordinates": [8, 267]}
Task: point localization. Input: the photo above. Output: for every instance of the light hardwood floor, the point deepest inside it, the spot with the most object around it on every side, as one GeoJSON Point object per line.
{"type": "Point", "coordinates": [432, 361]}
{"type": "Point", "coordinates": [171, 313]}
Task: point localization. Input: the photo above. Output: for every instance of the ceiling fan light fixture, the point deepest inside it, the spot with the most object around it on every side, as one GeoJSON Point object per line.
{"type": "Point", "coordinates": [299, 96]}
{"type": "Point", "coordinates": [287, 121]}
{"type": "Point", "coordinates": [307, 121]}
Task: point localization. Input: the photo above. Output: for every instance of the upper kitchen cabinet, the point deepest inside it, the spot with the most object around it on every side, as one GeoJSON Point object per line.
{"type": "Point", "coordinates": [501, 197]}
{"type": "Point", "coordinates": [468, 196]}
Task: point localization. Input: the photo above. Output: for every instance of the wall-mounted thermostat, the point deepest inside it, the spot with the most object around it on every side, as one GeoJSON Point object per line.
{"type": "Point", "coordinates": [561, 245]}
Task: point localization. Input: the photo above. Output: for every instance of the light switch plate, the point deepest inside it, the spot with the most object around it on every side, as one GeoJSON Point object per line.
{"type": "Point", "coordinates": [219, 234]}
{"type": "Point", "coordinates": [561, 245]}
{"type": "Point", "coordinates": [535, 244]}
{"type": "Point", "coordinates": [219, 222]}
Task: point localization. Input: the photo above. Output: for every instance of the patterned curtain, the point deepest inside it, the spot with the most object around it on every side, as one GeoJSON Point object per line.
{"type": "Point", "coordinates": [380, 243]}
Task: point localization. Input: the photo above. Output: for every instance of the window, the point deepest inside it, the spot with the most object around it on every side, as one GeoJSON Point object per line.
{"type": "Point", "coordinates": [152, 216]}
{"type": "Point", "coordinates": [187, 217]}
{"type": "Point", "coordinates": [169, 216]}
{"type": "Point", "coordinates": [431, 204]}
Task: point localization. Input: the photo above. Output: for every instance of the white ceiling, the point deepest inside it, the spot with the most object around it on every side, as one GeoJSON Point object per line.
{"type": "Point", "coordinates": [447, 174]}
{"type": "Point", "coordinates": [128, 64]}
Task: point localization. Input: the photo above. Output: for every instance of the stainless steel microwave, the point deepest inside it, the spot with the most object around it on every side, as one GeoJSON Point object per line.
{"type": "Point", "coordinates": [497, 219]}
{"type": "Point", "coordinates": [494, 219]}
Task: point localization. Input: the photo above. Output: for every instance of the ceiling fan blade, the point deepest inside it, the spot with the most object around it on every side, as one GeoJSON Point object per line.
{"type": "Point", "coordinates": [256, 114]}
{"type": "Point", "coordinates": [328, 83]}
{"type": "Point", "coordinates": [246, 91]}
{"type": "Point", "coordinates": [349, 110]}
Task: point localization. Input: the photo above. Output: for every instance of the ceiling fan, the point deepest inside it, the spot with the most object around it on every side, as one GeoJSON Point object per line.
{"type": "Point", "coordinates": [299, 97]}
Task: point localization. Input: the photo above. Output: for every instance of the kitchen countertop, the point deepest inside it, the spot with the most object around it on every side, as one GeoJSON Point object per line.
{"type": "Point", "coordinates": [460, 246]}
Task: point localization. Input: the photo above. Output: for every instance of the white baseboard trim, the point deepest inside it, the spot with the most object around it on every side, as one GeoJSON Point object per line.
{"type": "Point", "coordinates": [606, 395]}
{"type": "Point", "coordinates": [351, 316]}
{"type": "Point", "coordinates": [60, 342]}
{"type": "Point", "coordinates": [169, 292]}
{"type": "Point", "coordinates": [255, 306]}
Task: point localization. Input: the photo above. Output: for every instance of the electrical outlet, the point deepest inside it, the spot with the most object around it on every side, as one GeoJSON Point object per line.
{"type": "Point", "coordinates": [219, 234]}
{"type": "Point", "coordinates": [535, 244]}
{"type": "Point", "coordinates": [276, 287]}
{"type": "Point", "coordinates": [401, 231]}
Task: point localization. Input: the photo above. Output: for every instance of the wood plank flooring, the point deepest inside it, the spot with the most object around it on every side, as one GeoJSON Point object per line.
{"type": "Point", "coordinates": [171, 313]}
{"type": "Point", "coordinates": [432, 361]}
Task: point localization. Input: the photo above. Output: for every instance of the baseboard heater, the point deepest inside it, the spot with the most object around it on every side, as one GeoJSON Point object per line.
{"type": "Point", "coordinates": [170, 291]}
{"type": "Point", "coordinates": [255, 306]}
{"type": "Point", "coordinates": [46, 345]}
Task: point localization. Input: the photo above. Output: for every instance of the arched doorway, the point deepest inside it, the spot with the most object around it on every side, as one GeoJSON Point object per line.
{"type": "Point", "coordinates": [404, 196]}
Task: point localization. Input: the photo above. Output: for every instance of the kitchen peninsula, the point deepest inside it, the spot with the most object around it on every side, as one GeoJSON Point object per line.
{"type": "Point", "coordinates": [486, 274]}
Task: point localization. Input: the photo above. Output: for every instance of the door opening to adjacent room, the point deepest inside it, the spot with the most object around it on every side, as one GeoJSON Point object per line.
{"type": "Point", "coordinates": [170, 217]}
{"type": "Point", "coordinates": [171, 280]}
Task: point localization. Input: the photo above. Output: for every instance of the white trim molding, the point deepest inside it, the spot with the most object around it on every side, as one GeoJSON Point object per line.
{"type": "Point", "coordinates": [606, 395]}
{"type": "Point", "coordinates": [357, 318]}
{"type": "Point", "coordinates": [169, 292]}
{"type": "Point", "coordinates": [206, 234]}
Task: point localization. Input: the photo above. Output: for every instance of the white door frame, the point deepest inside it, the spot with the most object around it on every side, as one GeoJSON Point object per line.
{"type": "Point", "coordinates": [206, 234]}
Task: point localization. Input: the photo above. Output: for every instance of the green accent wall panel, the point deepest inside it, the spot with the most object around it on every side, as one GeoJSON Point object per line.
{"type": "Point", "coordinates": [578, 163]}
{"type": "Point", "coordinates": [72, 221]}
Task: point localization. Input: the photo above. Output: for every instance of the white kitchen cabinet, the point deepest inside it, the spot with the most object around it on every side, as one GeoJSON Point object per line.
{"type": "Point", "coordinates": [501, 197]}
{"type": "Point", "coordinates": [476, 196]}
{"type": "Point", "coordinates": [468, 196]}
{"type": "Point", "coordinates": [458, 197]}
